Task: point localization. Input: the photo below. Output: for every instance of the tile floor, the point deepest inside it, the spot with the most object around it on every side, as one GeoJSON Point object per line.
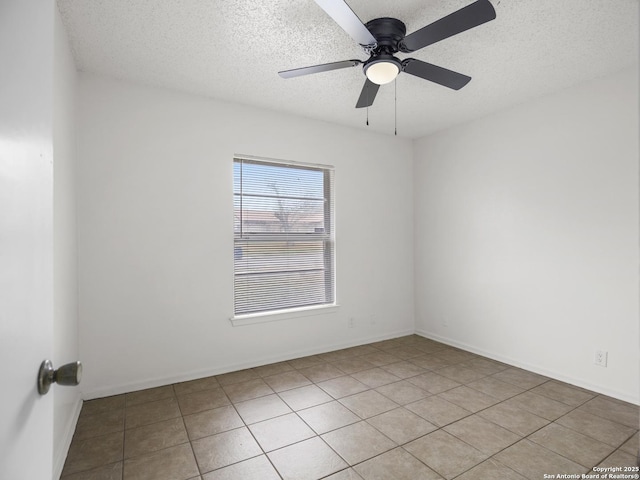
{"type": "Point", "coordinates": [408, 408]}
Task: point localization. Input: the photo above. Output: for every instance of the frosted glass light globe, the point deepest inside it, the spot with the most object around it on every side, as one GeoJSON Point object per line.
{"type": "Point", "coordinates": [382, 72]}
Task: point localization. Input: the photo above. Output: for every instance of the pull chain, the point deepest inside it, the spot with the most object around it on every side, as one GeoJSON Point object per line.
{"type": "Point", "coordinates": [367, 107]}
{"type": "Point", "coordinates": [395, 106]}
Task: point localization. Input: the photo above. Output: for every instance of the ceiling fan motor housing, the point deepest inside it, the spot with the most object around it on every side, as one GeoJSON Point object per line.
{"type": "Point", "coordinates": [388, 33]}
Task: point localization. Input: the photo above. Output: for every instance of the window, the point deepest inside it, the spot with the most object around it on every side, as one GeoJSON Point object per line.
{"type": "Point", "coordinates": [283, 236]}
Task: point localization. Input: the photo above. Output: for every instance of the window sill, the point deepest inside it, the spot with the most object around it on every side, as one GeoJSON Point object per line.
{"type": "Point", "coordinates": [278, 315]}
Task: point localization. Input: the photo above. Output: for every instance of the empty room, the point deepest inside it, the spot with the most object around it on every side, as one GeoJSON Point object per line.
{"type": "Point", "coordinates": [319, 239]}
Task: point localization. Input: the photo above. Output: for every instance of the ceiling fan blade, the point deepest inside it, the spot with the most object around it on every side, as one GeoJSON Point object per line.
{"type": "Point", "coordinates": [479, 12]}
{"type": "Point", "coordinates": [325, 67]}
{"type": "Point", "coordinates": [433, 73]}
{"type": "Point", "coordinates": [348, 20]}
{"type": "Point", "coordinates": [368, 94]}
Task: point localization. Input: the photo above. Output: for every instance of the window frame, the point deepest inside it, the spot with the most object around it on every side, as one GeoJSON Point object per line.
{"type": "Point", "coordinates": [327, 237]}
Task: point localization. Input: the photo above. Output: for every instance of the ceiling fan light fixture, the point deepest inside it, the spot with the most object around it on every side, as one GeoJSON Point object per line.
{"type": "Point", "coordinates": [382, 69]}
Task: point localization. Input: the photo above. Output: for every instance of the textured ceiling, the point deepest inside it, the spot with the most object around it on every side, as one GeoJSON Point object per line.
{"type": "Point", "coordinates": [233, 49]}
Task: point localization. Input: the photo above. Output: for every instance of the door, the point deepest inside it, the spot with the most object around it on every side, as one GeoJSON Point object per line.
{"type": "Point", "coordinates": [26, 240]}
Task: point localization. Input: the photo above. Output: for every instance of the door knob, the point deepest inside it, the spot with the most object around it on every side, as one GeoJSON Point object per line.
{"type": "Point", "coordinates": [69, 374]}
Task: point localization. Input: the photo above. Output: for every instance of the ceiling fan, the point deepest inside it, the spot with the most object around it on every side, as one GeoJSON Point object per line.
{"type": "Point", "coordinates": [382, 38]}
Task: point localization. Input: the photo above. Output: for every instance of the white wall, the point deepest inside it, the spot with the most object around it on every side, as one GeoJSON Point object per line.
{"type": "Point", "coordinates": [155, 235]}
{"type": "Point", "coordinates": [65, 290]}
{"type": "Point", "coordinates": [527, 238]}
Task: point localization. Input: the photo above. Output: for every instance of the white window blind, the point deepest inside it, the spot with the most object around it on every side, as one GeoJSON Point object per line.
{"type": "Point", "coordinates": [284, 236]}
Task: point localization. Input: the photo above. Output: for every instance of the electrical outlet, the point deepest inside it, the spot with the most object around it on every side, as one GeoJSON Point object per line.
{"type": "Point", "coordinates": [601, 358]}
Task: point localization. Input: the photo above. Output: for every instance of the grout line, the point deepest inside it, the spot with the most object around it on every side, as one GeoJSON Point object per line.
{"type": "Point", "coordinates": [193, 452]}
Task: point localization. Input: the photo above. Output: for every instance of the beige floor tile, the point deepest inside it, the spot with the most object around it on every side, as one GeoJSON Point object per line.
{"type": "Point", "coordinates": [429, 362]}
{"type": "Point", "coordinates": [596, 427]}
{"type": "Point", "coordinates": [273, 369]}
{"type": "Point", "coordinates": [363, 350]}
{"type": "Point", "coordinates": [149, 395]}
{"type": "Point", "coordinates": [482, 434]}
{"type": "Point", "coordinates": [346, 474]}
{"type": "Point", "coordinates": [514, 419]}
{"type": "Point", "coordinates": [369, 403]}
{"type": "Point", "coordinates": [432, 347]}
{"type": "Point", "coordinates": [403, 369]}
{"type": "Point", "coordinates": [174, 463]}
{"type": "Point", "coordinates": [257, 468]}
{"type": "Point", "coordinates": [468, 398]}
{"type": "Point", "coordinates": [213, 421]}
{"type": "Point", "coordinates": [563, 392]}
{"type": "Point", "coordinates": [521, 378]}
{"type": "Point", "coordinates": [380, 358]}
{"type": "Point", "coordinates": [614, 410]}
{"type": "Point", "coordinates": [456, 356]}
{"type": "Point", "coordinates": [286, 381]}
{"type": "Point", "coordinates": [396, 464]}
{"type": "Point", "coordinates": [342, 386]}
{"type": "Point", "coordinates": [433, 383]}
{"type": "Point", "coordinates": [94, 452]}
{"type": "Point", "coordinates": [375, 377]}
{"type": "Point", "coordinates": [305, 397]}
{"type": "Point", "coordinates": [224, 449]}
{"type": "Point", "coordinates": [438, 411]}
{"type": "Point", "coordinates": [328, 416]}
{"type": "Point", "coordinates": [239, 392]}
{"type": "Point", "coordinates": [150, 438]}
{"type": "Point", "coordinates": [490, 470]}
{"type": "Point", "coordinates": [401, 425]}
{"type": "Point", "coordinates": [438, 385]}
{"type": "Point", "coordinates": [106, 472]}
{"type": "Point", "coordinates": [539, 405]}
{"type": "Point", "coordinates": [152, 412]}
{"type": "Point", "coordinates": [198, 385]}
{"type": "Point", "coordinates": [405, 353]}
{"type": "Point", "coordinates": [534, 461]}
{"type": "Point", "coordinates": [495, 388]}
{"type": "Point", "coordinates": [237, 377]}
{"type": "Point", "coordinates": [573, 445]}
{"type": "Point", "coordinates": [460, 373]}
{"type": "Point", "coordinates": [99, 424]}
{"type": "Point", "coordinates": [486, 366]}
{"type": "Point", "coordinates": [445, 454]}
{"type": "Point", "coordinates": [402, 392]}
{"type": "Point", "coordinates": [321, 372]}
{"type": "Point", "coordinates": [201, 401]}
{"type": "Point", "coordinates": [280, 431]}
{"type": "Point", "coordinates": [102, 405]}
{"type": "Point", "coordinates": [358, 442]}
{"type": "Point", "coordinates": [262, 408]}
{"type": "Point", "coordinates": [353, 365]}
{"type": "Point", "coordinates": [308, 460]}
{"type": "Point", "coordinates": [632, 445]}
{"type": "Point", "coordinates": [620, 459]}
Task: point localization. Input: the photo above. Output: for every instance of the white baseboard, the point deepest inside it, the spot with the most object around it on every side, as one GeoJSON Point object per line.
{"type": "Point", "coordinates": [207, 372]}
{"type": "Point", "coordinates": [60, 455]}
{"type": "Point", "coordinates": [532, 368]}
